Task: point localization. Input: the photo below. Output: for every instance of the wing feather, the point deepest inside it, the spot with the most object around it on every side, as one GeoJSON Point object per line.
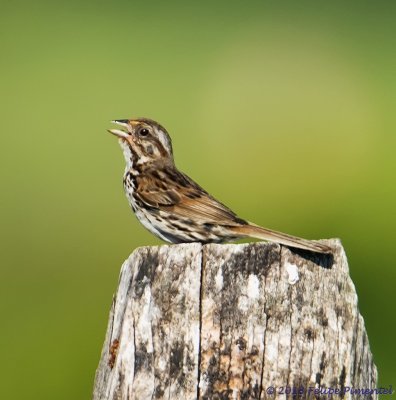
{"type": "Point", "coordinates": [179, 195]}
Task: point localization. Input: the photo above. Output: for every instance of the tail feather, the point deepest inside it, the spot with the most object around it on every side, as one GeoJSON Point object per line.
{"type": "Point", "coordinates": [252, 230]}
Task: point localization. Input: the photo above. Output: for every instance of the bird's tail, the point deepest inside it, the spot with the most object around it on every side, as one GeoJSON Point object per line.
{"type": "Point", "coordinates": [255, 231]}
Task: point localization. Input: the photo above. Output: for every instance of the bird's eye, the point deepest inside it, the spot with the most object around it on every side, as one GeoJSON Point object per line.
{"type": "Point", "coordinates": [143, 132]}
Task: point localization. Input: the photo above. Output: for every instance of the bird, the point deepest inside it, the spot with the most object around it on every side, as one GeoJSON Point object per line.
{"type": "Point", "coordinates": [174, 207]}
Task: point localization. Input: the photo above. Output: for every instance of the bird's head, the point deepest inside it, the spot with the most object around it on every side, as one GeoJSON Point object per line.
{"type": "Point", "coordinates": [143, 141]}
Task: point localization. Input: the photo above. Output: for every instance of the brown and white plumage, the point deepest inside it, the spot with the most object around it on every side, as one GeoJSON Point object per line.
{"type": "Point", "coordinates": [174, 207]}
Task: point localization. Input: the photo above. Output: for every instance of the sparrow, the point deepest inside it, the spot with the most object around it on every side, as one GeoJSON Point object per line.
{"type": "Point", "coordinates": [174, 207]}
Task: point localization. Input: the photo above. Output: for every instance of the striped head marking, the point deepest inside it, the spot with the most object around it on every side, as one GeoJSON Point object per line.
{"type": "Point", "coordinates": [143, 141]}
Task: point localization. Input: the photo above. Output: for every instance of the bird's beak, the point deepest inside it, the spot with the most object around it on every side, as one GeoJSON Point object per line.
{"type": "Point", "coordinates": [124, 134]}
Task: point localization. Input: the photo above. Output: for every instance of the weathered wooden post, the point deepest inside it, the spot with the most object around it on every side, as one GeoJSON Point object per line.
{"type": "Point", "coordinates": [245, 321]}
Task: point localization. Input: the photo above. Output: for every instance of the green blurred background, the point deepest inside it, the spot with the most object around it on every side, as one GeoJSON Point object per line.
{"type": "Point", "coordinates": [283, 110]}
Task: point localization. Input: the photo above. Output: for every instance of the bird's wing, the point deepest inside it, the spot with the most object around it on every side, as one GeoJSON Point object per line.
{"type": "Point", "coordinates": [179, 195]}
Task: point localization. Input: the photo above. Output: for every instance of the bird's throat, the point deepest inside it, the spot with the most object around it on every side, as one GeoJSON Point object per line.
{"type": "Point", "coordinates": [129, 156]}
